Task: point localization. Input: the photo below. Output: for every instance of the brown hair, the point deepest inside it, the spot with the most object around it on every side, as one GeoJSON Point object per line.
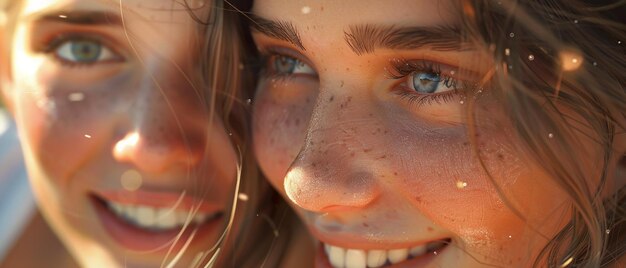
{"type": "Point", "coordinates": [552, 103]}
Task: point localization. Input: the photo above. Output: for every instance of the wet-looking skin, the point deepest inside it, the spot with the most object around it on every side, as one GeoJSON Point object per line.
{"type": "Point", "coordinates": [360, 122]}
{"type": "Point", "coordinates": [122, 150]}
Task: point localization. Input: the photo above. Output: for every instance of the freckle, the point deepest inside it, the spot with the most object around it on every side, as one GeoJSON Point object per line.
{"type": "Point", "coordinates": [352, 154]}
{"type": "Point", "coordinates": [466, 143]}
{"type": "Point", "coordinates": [367, 150]}
{"type": "Point", "coordinates": [349, 98]}
{"type": "Point", "coordinates": [341, 85]}
{"type": "Point", "coordinates": [347, 69]}
{"type": "Point", "coordinates": [370, 115]}
{"type": "Point", "coordinates": [366, 225]}
{"type": "Point", "coordinates": [385, 132]}
{"type": "Point", "coordinates": [322, 8]}
{"type": "Point", "coordinates": [500, 156]}
{"type": "Point", "coordinates": [383, 157]}
{"type": "Point", "coordinates": [395, 173]}
{"type": "Point", "coordinates": [418, 199]}
{"type": "Point", "coordinates": [314, 164]}
{"type": "Point", "coordinates": [430, 229]}
{"type": "Point", "coordinates": [332, 98]}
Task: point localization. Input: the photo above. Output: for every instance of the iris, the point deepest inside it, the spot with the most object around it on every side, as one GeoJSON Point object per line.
{"type": "Point", "coordinates": [424, 82]}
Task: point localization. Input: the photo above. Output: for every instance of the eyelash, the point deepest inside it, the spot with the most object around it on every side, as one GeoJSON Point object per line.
{"type": "Point", "coordinates": [402, 68]}
{"type": "Point", "coordinates": [265, 60]}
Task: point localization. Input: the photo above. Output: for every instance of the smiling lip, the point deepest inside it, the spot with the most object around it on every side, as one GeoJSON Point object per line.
{"type": "Point", "coordinates": [134, 237]}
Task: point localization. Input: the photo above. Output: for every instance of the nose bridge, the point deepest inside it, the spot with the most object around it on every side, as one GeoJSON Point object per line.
{"type": "Point", "coordinates": [328, 173]}
{"type": "Point", "coordinates": [165, 124]}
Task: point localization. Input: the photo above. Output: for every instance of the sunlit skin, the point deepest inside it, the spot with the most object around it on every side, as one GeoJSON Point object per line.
{"type": "Point", "coordinates": [130, 118]}
{"type": "Point", "coordinates": [366, 168]}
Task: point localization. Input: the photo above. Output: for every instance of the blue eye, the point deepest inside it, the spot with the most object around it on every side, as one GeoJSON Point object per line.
{"type": "Point", "coordinates": [288, 65]}
{"type": "Point", "coordinates": [427, 83]}
{"type": "Point", "coordinates": [84, 51]}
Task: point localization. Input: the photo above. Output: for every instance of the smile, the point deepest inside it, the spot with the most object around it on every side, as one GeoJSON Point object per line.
{"type": "Point", "coordinates": [158, 219]}
{"type": "Point", "coordinates": [147, 221]}
{"type": "Point", "coordinates": [340, 257]}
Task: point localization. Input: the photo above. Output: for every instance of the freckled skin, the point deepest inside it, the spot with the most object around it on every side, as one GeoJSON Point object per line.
{"type": "Point", "coordinates": [368, 170]}
{"type": "Point", "coordinates": [70, 145]}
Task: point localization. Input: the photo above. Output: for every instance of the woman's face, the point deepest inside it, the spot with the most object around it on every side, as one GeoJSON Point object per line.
{"type": "Point", "coordinates": [120, 147]}
{"type": "Point", "coordinates": [360, 121]}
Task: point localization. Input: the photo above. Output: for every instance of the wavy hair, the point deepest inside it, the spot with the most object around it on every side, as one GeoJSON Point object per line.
{"type": "Point", "coordinates": [560, 73]}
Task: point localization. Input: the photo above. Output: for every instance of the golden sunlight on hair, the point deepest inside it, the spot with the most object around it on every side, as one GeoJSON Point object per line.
{"type": "Point", "coordinates": [570, 60]}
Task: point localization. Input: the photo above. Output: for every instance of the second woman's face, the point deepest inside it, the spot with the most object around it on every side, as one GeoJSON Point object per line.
{"type": "Point", "coordinates": [360, 122]}
{"type": "Point", "coordinates": [121, 149]}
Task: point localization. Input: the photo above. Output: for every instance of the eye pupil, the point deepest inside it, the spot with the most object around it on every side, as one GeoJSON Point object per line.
{"type": "Point", "coordinates": [285, 64]}
{"type": "Point", "coordinates": [86, 51]}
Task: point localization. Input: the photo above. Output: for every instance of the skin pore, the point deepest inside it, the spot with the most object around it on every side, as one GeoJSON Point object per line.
{"type": "Point", "coordinates": [127, 162]}
{"type": "Point", "coordinates": [368, 139]}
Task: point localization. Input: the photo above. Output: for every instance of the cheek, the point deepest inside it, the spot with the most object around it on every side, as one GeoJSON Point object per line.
{"type": "Point", "coordinates": [440, 173]}
{"type": "Point", "coordinates": [279, 127]}
{"type": "Point", "coordinates": [63, 123]}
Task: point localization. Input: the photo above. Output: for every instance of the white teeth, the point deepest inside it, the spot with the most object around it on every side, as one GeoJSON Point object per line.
{"type": "Point", "coordinates": [417, 250]}
{"type": "Point", "coordinates": [166, 219]}
{"type": "Point", "coordinates": [336, 256]}
{"type": "Point", "coordinates": [117, 208]}
{"type": "Point", "coordinates": [356, 258]}
{"type": "Point", "coordinates": [376, 258]}
{"type": "Point", "coordinates": [158, 219]}
{"type": "Point", "coordinates": [145, 216]}
{"type": "Point", "coordinates": [397, 255]}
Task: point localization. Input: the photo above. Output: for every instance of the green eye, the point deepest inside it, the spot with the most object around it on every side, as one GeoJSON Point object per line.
{"type": "Point", "coordinates": [84, 51]}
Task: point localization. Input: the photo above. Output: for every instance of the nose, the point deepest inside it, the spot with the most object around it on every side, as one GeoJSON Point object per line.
{"type": "Point", "coordinates": [166, 129]}
{"type": "Point", "coordinates": [330, 172]}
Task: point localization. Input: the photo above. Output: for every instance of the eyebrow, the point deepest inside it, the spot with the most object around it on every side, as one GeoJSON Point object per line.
{"type": "Point", "coordinates": [366, 38]}
{"type": "Point", "coordinates": [281, 30]}
{"type": "Point", "coordinates": [81, 17]}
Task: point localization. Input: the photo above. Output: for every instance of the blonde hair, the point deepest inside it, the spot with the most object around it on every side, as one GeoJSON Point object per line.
{"type": "Point", "coordinates": [553, 56]}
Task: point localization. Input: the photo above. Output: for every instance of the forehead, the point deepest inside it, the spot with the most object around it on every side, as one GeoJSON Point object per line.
{"type": "Point", "coordinates": [157, 11]}
{"type": "Point", "coordinates": [332, 13]}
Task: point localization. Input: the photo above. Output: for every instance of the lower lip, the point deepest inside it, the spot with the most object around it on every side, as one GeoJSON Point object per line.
{"type": "Point", "coordinates": [321, 260]}
{"type": "Point", "coordinates": [137, 239]}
